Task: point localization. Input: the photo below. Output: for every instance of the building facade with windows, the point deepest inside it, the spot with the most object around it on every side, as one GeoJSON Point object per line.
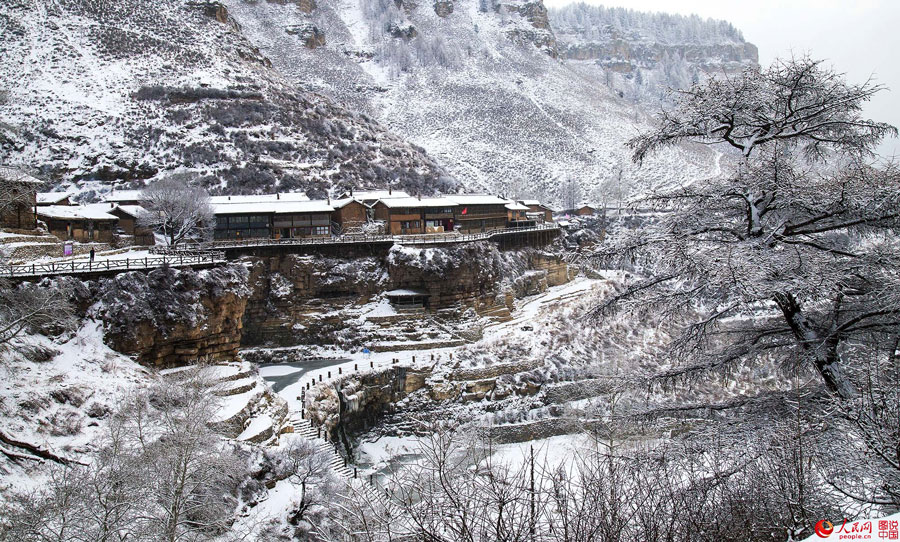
{"type": "Point", "coordinates": [83, 223]}
{"type": "Point", "coordinates": [404, 216]}
{"type": "Point", "coordinates": [277, 219]}
{"type": "Point", "coordinates": [479, 212]}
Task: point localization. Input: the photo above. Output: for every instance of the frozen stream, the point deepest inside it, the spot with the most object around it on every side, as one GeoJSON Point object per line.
{"type": "Point", "coordinates": [284, 375]}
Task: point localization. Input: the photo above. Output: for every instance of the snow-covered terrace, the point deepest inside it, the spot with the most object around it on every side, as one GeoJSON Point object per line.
{"type": "Point", "coordinates": [259, 198]}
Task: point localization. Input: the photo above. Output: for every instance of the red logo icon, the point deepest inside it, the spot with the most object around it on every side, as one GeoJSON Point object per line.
{"type": "Point", "coordinates": [824, 528]}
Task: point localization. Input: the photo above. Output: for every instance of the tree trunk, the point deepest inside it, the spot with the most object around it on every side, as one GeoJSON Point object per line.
{"type": "Point", "coordinates": [822, 351]}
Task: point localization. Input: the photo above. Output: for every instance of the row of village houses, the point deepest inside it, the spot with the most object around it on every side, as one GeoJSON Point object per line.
{"type": "Point", "coordinates": [287, 215]}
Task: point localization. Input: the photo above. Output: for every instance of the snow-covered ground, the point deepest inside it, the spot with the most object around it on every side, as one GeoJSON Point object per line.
{"type": "Point", "coordinates": [60, 404]}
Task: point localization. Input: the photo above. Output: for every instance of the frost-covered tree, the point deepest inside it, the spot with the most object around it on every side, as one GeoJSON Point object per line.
{"type": "Point", "coordinates": [794, 255]}
{"type": "Point", "coordinates": [177, 209]}
{"type": "Point", "coordinates": [161, 473]}
{"type": "Point", "coordinates": [31, 308]}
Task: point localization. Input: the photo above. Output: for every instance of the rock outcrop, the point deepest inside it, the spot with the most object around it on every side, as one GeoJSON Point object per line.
{"type": "Point", "coordinates": [443, 8]}
{"type": "Point", "coordinates": [311, 35]}
{"type": "Point", "coordinates": [170, 317]}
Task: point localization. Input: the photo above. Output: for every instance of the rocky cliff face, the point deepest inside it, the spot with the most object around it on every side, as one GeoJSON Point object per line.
{"type": "Point", "coordinates": [626, 56]}
{"type": "Point", "coordinates": [170, 317]}
{"type": "Point", "coordinates": [314, 299]}
{"type": "Point", "coordinates": [643, 54]}
{"type": "Point", "coordinates": [477, 83]}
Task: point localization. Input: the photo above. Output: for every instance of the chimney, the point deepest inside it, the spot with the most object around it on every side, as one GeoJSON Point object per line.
{"type": "Point", "coordinates": [229, 198]}
{"type": "Point", "coordinates": [351, 191]}
{"type": "Point", "coordinates": [389, 190]}
{"type": "Point", "coordinates": [277, 195]}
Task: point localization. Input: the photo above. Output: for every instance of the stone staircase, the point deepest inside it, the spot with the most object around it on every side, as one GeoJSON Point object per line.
{"type": "Point", "coordinates": [305, 429]}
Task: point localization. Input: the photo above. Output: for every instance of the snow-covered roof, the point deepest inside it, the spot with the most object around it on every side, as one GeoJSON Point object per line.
{"type": "Point", "coordinates": [258, 198]}
{"type": "Point", "coordinates": [402, 292]}
{"type": "Point", "coordinates": [270, 207]}
{"type": "Point", "coordinates": [11, 174]}
{"type": "Point", "coordinates": [517, 207]}
{"type": "Point", "coordinates": [340, 203]}
{"type": "Point", "coordinates": [49, 198]}
{"type": "Point", "coordinates": [476, 199]}
{"type": "Point", "coordinates": [394, 203]}
{"type": "Point", "coordinates": [132, 210]}
{"type": "Point", "coordinates": [529, 202]}
{"type": "Point", "coordinates": [123, 195]}
{"type": "Point", "coordinates": [76, 212]}
{"type": "Point", "coordinates": [376, 194]}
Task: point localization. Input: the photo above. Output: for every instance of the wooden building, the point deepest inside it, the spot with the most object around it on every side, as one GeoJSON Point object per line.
{"type": "Point", "coordinates": [18, 198]}
{"type": "Point", "coordinates": [479, 212]}
{"type": "Point", "coordinates": [517, 215]}
{"type": "Point", "coordinates": [404, 216]}
{"type": "Point", "coordinates": [83, 223]}
{"type": "Point", "coordinates": [350, 214]}
{"type": "Point", "coordinates": [129, 223]}
{"type": "Point", "coordinates": [53, 198]}
{"type": "Point", "coordinates": [537, 210]}
{"type": "Point", "coordinates": [277, 219]}
{"type": "Point", "coordinates": [369, 197]}
{"type": "Point", "coordinates": [586, 210]}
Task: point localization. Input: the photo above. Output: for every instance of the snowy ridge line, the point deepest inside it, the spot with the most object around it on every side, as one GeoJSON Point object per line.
{"type": "Point", "coordinates": [426, 239]}
{"type": "Point", "coordinates": [108, 265]}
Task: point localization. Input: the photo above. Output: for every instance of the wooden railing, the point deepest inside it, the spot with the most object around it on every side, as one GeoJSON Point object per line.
{"type": "Point", "coordinates": [213, 253]}
{"type": "Point", "coordinates": [75, 267]}
{"type": "Point", "coordinates": [416, 239]}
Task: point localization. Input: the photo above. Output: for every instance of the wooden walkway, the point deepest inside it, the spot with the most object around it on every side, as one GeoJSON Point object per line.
{"type": "Point", "coordinates": [214, 253]}
{"type": "Point", "coordinates": [361, 239]}
{"type": "Point", "coordinates": [113, 266]}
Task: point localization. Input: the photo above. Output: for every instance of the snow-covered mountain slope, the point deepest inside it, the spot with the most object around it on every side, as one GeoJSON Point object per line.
{"type": "Point", "coordinates": [115, 90]}
{"type": "Point", "coordinates": [478, 83]}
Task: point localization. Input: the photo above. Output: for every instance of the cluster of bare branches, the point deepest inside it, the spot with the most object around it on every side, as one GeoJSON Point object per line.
{"type": "Point", "coordinates": [786, 256]}
{"type": "Point", "coordinates": [737, 489]}
{"type": "Point", "coordinates": [31, 308]}
{"type": "Point", "coordinates": [177, 209]}
{"type": "Point", "coordinates": [161, 474]}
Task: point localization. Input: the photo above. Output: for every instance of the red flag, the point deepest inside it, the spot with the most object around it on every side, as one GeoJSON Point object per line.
{"type": "Point", "coordinates": [465, 210]}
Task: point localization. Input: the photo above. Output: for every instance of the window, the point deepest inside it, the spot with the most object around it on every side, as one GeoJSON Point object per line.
{"type": "Point", "coordinates": [320, 230]}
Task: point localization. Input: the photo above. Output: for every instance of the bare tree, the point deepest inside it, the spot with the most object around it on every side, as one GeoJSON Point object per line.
{"type": "Point", "coordinates": [30, 308]}
{"type": "Point", "coordinates": [796, 101]}
{"type": "Point", "coordinates": [786, 257]}
{"type": "Point", "coordinates": [161, 473]}
{"type": "Point", "coordinates": [177, 210]}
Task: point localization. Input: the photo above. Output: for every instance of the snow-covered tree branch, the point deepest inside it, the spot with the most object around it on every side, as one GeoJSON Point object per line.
{"type": "Point", "coordinates": [177, 210]}
{"type": "Point", "coordinates": [786, 256]}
